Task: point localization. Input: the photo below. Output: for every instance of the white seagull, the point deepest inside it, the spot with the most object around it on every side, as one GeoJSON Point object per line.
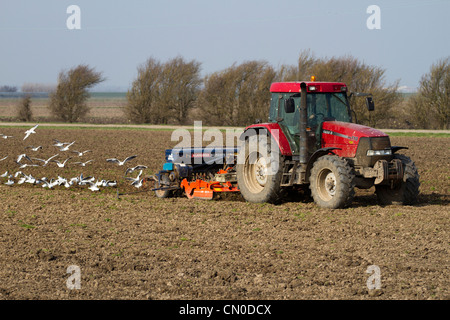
{"type": "Point", "coordinates": [93, 187]}
{"type": "Point", "coordinates": [140, 167]}
{"type": "Point", "coordinates": [34, 148]}
{"type": "Point", "coordinates": [30, 131]}
{"type": "Point", "coordinates": [24, 165]}
{"type": "Point", "coordinates": [61, 164]}
{"type": "Point", "coordinates": [59, 143]}
{"type": "Point", "coordinates": [80, 154]}
{"type": "Point", "coordinates": [83, 164]}
{"type": "Point", "coordinates": [4, 158]}
{"type": "Point", "coordinates": [120, 163]}
{"type": "Point", "coordinates": [66, 147]}
{"type": "Point", "coordinates": [4, 136]}
{"type": "Point", "coordinates": [21, 156]}
{"type": "Point", "coordinates": [46, 161]}
{"type": "Point", "coordinates": [137, 182]}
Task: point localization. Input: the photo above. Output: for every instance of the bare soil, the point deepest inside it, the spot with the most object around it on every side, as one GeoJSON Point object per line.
{"type": "Point", "coordinates": [140, 247]}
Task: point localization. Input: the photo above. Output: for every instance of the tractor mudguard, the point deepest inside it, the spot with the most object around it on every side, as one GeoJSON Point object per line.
{"type": "Point", "coordinates": [275, 131]}
{"type": "Point", "coordinates": [318, 153]}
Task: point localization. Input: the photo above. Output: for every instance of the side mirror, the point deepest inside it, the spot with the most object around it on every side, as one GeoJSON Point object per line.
{"type": "Point", "coordinates": [289, 106]}
{"type": "Point", "coordinates": [370, 104]}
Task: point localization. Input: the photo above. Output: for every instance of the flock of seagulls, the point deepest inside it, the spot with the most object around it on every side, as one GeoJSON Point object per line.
{"type": "Point", "coordinates": [24, 161]}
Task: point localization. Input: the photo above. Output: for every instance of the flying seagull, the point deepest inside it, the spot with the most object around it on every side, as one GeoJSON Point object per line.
{"type": "Point", "coordinates": [80, 154]}
{"type": "Point", "coordinates": [34, 148]}
{"type": "Point", "coordinates": [4, 136]}
{"type": "Point", "coordinates": [59, 143]}
{"type": "Point", "coordinates": [21, 156]}
{"type": "Point", "coordinates": [61, 164]}
{"type": "Point", "coordinates": [4, 158]}
{"type": "Point", "coordinates": [140, 167]}
{"type": "Point", "coordinates": [46, 161]}
{"type": "Point", "coordinates": [137, 182]}
{"type": "Point", "coordinates": [120, 163]}
{"type": "Point", "coordinates": [93, 187]}
{"type": "Point", "coordinates": [83, 164]}
{"type": "Point", "coordinates": [30, 131]}
{"type": "Point", "coordinates": [24, 165]}
{"type": "Point", "coordinates": [66, 147]}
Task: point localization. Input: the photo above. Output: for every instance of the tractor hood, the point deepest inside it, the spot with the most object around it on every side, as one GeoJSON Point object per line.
{"type": "Point", "coordinates": [351, 131]}
{"type": "Point", "coordinates": [346, 136]}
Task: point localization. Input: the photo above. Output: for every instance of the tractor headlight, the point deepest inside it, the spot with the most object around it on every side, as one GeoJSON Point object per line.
{"type": "Point", "coordinates": [385, 152]}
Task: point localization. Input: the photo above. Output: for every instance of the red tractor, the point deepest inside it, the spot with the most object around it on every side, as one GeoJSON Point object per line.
{"type": "Point", "coordinates": [309, 142]}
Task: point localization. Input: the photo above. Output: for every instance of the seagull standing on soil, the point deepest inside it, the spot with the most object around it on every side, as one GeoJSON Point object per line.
{"type": "Point", "coordinates": [30, 131]}
{"type": "Point", "coordinates": [120, 163]}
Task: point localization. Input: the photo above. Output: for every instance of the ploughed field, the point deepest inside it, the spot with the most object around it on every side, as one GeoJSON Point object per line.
{"type": "Point", "coordinates": [138, 246]}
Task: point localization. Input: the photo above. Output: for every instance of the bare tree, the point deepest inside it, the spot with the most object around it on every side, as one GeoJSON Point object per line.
{"type": "Point", "coordinates": [183, 85]}
{"type": "Point", "coordinates": [431, 105]}
{"type": "Point", "coordinates": [69, 101]}
{"type": "Point", "coordinates": [24, 109]}
{"type": "Point", "coordinates": [237, 95]}
{"type": "Point", "coordinates": [143, 93]}
{"type": "Point", "coordinates": [163, 93]}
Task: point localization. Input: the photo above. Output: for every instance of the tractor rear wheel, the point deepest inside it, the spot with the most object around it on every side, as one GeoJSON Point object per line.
{"type": "Point", "coordinates": [163, 193]}
{"type": "Point", "coordinates": [258, 170]}
{"type": "Point", "coordinates": [406, 191]}
{"type": "Point", "coordinates": [332, 182]}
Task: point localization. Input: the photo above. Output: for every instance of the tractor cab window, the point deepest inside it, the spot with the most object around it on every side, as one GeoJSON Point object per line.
{"type": "Point", "coordinates": [327, 107]}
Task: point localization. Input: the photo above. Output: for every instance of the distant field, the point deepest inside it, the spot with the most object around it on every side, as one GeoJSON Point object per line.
{"type": "Point", "coordinates": [105, 107]}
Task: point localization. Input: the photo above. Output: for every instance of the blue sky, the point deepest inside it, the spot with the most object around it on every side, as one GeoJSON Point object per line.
{"type": "Point", "coordinates": [117, 36]}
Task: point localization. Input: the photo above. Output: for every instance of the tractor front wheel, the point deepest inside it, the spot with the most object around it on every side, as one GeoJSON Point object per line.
{"type": "Point", "coordinates": [404, 192]}
{"type": "Point", "coordinates": [332, 182]}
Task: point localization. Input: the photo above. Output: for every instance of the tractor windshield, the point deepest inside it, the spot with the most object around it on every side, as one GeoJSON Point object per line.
{"type": "Point", "coordinates": [321, 107]}
{"type": "Point", "coordinates": [326, 107]}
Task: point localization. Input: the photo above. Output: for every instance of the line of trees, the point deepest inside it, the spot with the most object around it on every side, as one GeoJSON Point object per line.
{"type": "Point", "coordinates": [174, 92]}
{"type": "Point", "coordinates": [238, 95]}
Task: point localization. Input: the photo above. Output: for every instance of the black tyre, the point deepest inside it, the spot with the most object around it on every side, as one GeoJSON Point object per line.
{"type": "Point", "coordinates": [332, 182]}
{"type": "Point", "coordinates": [406, 191]}
{"type": "Point", "coordinates": [259, 170]}
{"type": "Point", "coordinates": [163, 193]}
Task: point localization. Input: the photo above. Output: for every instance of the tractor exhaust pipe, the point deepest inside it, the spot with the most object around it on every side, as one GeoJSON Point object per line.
{"type": "Point", "coordinates": [303, 123]}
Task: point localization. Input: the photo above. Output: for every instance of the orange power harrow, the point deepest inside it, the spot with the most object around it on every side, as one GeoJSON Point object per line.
{"type": "Point", "coordinates": [205, 189]}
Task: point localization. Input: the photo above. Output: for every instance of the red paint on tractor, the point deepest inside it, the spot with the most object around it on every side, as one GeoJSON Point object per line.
{"type": "Point", "coordinates": [277, 134]}
{"type": "Point", "coordinates": [346, 136]}
{"type": "Point", "coordinates": [312, 86]}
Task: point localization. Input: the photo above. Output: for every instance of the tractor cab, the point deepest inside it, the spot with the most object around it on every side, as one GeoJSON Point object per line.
{"type": "Point", "coordinates": [326, 101]}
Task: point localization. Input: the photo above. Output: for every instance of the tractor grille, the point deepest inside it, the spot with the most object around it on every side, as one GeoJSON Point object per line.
{"type": "Point", "coordinates": [371, 143]}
